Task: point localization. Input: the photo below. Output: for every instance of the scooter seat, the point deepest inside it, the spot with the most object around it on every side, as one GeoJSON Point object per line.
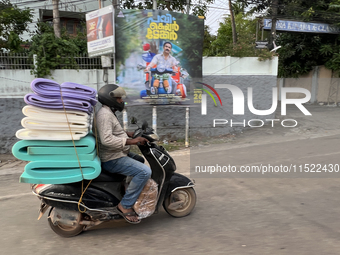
{"type": "Point", "coordinates": [106, 176]}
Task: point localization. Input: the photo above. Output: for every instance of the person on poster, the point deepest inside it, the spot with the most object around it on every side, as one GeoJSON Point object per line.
{"type": "Point", "coordinates": [114, 149]}
{"type": "Point", "coordinates": [165, 60]}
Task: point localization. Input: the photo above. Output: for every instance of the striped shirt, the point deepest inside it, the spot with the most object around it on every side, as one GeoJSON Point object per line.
{"type": "Point", "coordinates": [112, 137]}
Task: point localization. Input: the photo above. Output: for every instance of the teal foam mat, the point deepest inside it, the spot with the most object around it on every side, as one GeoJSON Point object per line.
{"type": "Point", "coordinates": [44, 150]}
{"type": "Point", "coordinates": [60, 172]}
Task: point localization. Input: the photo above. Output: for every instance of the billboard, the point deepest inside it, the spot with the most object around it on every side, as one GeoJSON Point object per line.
{"type": "Point", "coordinates": [158, 55]}
{"type": "Point", "coordinates": [99, 28]}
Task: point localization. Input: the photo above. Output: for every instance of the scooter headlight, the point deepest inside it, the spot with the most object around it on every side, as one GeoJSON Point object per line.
{"type": "Point", "coordinates": [154, 137]}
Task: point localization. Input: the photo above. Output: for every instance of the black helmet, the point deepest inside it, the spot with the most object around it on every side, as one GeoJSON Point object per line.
{"type": "Point", "coordinates": [108, 94]}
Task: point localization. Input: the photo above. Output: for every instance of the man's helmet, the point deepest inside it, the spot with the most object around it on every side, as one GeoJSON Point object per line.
{"type": "Point", "coordinates": [108, 94]}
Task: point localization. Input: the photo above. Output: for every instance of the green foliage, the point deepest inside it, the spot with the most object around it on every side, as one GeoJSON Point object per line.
{"type": "Point", "coordinates": [80, 40]}
{"type": "Point", "coordinates": [300, 52]}
{"type": "Point", "coordinates": [52, 52]}
{"type": "Point", "coordinates": [207, 41]}
{"type": "Point", "coordinates": [14, 22]}
{"type": "Point", "coordinates": [197, 7]}
{"type": "Point", "coordinates": [223, 45]}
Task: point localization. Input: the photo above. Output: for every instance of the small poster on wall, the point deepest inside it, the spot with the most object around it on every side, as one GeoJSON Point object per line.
{"type": "Point", "coordinates": [99, 27]}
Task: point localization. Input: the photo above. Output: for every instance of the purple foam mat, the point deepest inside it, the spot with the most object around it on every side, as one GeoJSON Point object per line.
{"type": "Point", "coordinates": [56, 103]}
{"type": "Point", "coordinates": [51, 89]}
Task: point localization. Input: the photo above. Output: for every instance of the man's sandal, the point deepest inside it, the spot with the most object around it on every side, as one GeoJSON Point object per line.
{"type": "Point", "coordinates": [128, 214]}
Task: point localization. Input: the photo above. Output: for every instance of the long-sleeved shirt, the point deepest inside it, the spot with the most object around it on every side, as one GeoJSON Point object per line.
{"type": "Point", "coordinates": [112, 137]}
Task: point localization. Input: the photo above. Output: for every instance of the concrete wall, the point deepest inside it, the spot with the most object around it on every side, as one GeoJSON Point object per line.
{"type": "Point", "coordinates": [15, 84]}
{"type": "Point", "coordinates": [318, 82]}
{"type": "Point", "coordinates": [239, 66]}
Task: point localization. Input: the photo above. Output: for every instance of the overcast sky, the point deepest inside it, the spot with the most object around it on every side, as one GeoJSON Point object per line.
{"type": "Point", "coordinates": [216, 14]}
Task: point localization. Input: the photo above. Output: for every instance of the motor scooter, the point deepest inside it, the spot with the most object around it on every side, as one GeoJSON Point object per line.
{"type": "Point", "coordinates": [67, 217]}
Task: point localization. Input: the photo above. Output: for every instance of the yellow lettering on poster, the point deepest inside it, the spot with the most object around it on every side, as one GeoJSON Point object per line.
{"type": "Point", "coordinates": [161, 31]}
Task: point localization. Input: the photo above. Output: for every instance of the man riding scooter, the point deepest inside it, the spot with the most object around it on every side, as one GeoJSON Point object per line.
{"type": "Point", "coordinates": [114, 146]}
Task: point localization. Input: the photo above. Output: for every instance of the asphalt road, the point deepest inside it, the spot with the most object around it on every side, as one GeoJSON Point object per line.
{"type": "Point", "coordinates": [277, 215]}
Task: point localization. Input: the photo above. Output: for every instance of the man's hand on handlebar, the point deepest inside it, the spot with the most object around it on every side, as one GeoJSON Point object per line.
{"type": "Point", "coordinates": [137, 141]}
{"type": "Point", "coordinates": [130, 134]}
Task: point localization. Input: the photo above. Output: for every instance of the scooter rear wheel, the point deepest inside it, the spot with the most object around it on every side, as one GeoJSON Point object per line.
{"type": "Point", "coordinates": [65, 230]}
{"type": "Point", "coordinates": [185, 197]}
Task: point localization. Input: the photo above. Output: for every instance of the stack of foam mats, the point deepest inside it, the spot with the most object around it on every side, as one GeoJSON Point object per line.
{"type": "Point", "coordinates": [56, 138]}
{"type": "Point", "coordinates": [57, 111]}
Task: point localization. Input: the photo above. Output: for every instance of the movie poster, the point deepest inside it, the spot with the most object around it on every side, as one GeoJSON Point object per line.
{"type": "Point", "coordinates": [158, 55]}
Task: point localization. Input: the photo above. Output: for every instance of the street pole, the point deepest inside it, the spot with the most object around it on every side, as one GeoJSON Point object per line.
{"type": "Point", "coordinates": [188, 6]}
{"type": "Point", "coordinates": [56, 18]}
{"type": "Point", "coordinates": [154, 5]}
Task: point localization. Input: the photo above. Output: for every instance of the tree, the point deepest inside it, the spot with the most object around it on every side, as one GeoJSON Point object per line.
{"type": "Point", "coordinates": [197, 7]}
{"type": "Point", "coordinates": [208, 39]}
{"type": "Point", "coordinates": [300, 52]}
{"type": "Point", "coordinates": [245, 47]}
{"type": "Point", "coordinates": [233, 26]}
{"type": "Point", "coordinates": [54, 52]}
{"type": "Point", "coordinates": [13, 23]}
{"type": "Point", "coordinates": [56, 18]}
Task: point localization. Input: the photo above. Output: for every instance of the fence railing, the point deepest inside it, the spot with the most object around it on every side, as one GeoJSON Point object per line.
{"type": "Point", "coordinates": [15, 61]}
{"type": "Point", "coordinates": [24, 61]}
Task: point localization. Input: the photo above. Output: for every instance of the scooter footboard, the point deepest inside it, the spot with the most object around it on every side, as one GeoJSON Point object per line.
{"type": "Point", "coordinates": [178, 181]}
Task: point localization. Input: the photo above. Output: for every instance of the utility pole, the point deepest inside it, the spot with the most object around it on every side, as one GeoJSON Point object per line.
{"type": "Point", "coordinates": [233, 26]}
{"type": "Point", "coordinates": [56, 18]}
{"type": "Point", "coordinates": [154, 4]}
{"type": "Point", "coordinates": [116, 4]}
{"type": "Point", "coordinates": [188, 6]}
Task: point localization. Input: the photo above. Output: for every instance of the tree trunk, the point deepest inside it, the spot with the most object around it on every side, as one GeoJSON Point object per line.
{"type": "Point", "coordinates": [274, 7]}
{"type": "Point", "coordinates": [56, 18]}
{"type": "Point", "coordinates": [233, 26]}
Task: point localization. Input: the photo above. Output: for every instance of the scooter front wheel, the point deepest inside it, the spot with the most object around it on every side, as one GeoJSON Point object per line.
{"type": "Point", "coordinates": [180, 203]}
{"type": "Point", "coordinates": [65, 230]}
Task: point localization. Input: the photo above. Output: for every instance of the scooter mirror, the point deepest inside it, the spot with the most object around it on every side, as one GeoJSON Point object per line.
{"type": "Point", "coordinates": [145, 125]}
{"type": "Point", "coordinates": [133, 120]}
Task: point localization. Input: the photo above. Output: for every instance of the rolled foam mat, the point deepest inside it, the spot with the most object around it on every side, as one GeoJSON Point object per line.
{"type": "Point", "coordinates": [57, 103]}
{"type": "Point", "coordinates": [54, 114]}
{"type": "Point", "coordinates": [51, 135]}
{"type": "Point", "coordinates": [33, 123]}
{"type": "Point", "coordinates": [60, 172]}
{"type": "Point", "coordinates": [50, 88]}
{"type": "Point", "coordinates": [36, 150]}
